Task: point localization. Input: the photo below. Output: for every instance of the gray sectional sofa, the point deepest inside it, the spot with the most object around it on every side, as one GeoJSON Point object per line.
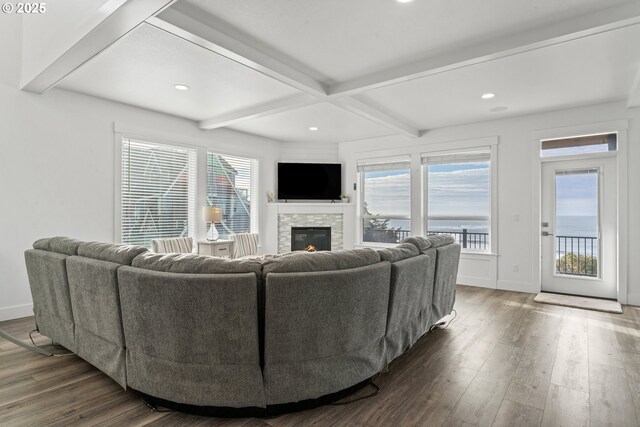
{"type": "Point", "coordinates": [252, 333]}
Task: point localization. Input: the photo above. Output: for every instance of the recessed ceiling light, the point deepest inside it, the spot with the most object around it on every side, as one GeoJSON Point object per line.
{"type": "Point", "coordinates": [498, 109]}
{"type": "Point", "coordinates": [181, 87]}
{"type": "Point", "coordinates": [488, 95]}
{"type": "Point", "coordinates": [404, 1]}
{"type": "Point", "coordinates": [313, 128]}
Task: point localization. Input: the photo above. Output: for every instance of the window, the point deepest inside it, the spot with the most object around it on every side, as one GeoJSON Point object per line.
{"type": "Point", "coordinates": [458, 197]}
{"type": "Point", "coordinates": [579, 145]}
{"type": "Point", "coordinates": [386, 201]}
{"type": "Point", "coordinates": [157, 192]}
{"type": "Point", "coordinates": [230, 186]}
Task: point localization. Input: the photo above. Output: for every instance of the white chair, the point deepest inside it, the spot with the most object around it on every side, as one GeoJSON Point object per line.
{"type": "Point", "coordinates": [178, 245]}
{"type": "Point", "coordinates": [244, 244]}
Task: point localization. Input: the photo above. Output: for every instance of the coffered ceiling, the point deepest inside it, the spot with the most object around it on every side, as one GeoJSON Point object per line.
{"type": "Point", "coordinates": [358, 69]}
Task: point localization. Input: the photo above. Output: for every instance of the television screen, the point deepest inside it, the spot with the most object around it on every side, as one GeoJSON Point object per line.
{"type": "Point", "coordinates": [309, 181]}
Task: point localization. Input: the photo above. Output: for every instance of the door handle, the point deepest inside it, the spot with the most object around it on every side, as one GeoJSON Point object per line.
{"type": "Point", "coordinates": [546, 233]}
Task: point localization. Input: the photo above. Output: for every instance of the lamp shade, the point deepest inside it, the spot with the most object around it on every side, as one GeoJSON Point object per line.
{"type": "Point", "coordinates": [212, 214]}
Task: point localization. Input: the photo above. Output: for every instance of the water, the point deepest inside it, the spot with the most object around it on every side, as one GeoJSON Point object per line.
{"type": "Point", "coordinates": [583, 226]}
{"type": "Point", "coordinates": [472, 226]}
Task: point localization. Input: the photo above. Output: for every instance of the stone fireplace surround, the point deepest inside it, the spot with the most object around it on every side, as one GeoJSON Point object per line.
{"type": "Point", "coordinates": [286, 221]}
{"type": "Point", "coordinates": [283, 216]}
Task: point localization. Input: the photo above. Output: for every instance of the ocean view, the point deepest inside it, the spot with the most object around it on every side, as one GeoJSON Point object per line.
{"type": "Point", "coordinates": [573, 226]}
{"type": "Point", "coordinates": [568, 228]}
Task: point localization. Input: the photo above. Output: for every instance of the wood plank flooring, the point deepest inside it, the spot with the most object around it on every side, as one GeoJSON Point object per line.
{"type": "Point", "coordinates": [505, 361]}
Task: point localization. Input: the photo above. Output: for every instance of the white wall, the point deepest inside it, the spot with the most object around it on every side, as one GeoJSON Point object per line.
{"type": "Point", "coordinates": [57, 165]}
{"type": "Point", "coordinates": [307, 152]}
{"type": "Point", "coordinates": [515, 175]}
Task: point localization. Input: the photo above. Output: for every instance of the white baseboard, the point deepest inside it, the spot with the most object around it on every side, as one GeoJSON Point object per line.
{"type": "Point", "coordinates": [16, 312]}
{"type": "Point", "coordinates": [476, 281]}
{"type": "Point", "coordinates": [509, 285]}
{"type": "Point", "coordinates": [633, 299]}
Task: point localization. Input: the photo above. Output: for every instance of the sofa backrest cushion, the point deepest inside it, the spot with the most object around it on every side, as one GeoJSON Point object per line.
{"type": "Point", "coordinates": [61, 245]}
{"type": "Point", "coordinates": [47, 274]}
{"type": "Point", "coordinates": [192, 338]}
{"type": "Point", "coordinates": [111, 252]}
{"type": "Point", "coordinates": [321, 261]}
{"type": "Point", "coordinates": [400, 252]}
{"type": "Point", "coordinates": [196, 264]}
{"type": "Point", "coordinates": [438, 240]}
{"type": "Point", "coordinates": [422, 243]}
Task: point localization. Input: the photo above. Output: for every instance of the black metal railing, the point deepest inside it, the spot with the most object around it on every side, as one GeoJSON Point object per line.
{"type": "Point", "coordinates": [478, 241]}
{"type": "Point", "coordinates": [577, 255]}
{"type": "Point", "coordinates": [467, 240]}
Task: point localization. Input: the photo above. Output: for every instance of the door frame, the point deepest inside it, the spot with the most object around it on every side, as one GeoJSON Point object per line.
{"type": "Point", "coordinates": [618, 126]}
{"type": "Point", "coordinates": [602, 284]}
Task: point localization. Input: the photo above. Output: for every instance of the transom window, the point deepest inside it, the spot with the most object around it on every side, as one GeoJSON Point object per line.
{"type": "Point", "coordinates": [579, 145]}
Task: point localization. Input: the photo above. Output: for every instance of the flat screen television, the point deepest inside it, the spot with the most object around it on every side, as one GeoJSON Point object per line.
{"type": "Point", "coordinates": [309, 181]}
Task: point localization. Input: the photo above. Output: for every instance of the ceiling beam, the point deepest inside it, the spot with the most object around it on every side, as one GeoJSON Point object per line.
{"type": "Point", "coordinates": [369, 112]}
{"type": "Point", "coordinates": [258, 111]}
{"type": "Point", "coordinates": [560, 32]}
{"type": "Point", "coordinates": [191, 29]}
{"type": "Point", "coordinates": [114, 20]}
{"type": "Point", "coordinates": [194, 31]}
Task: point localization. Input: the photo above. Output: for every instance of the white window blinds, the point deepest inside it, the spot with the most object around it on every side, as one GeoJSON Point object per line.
{"type": "Point", "coordinates": [455, 158]}
{"type": "Point", "coordinates": [378, 167]}
{"type": "Point", "coordinates": [230, 186]}
{"type": "Point", "coordinates": [157, 192]}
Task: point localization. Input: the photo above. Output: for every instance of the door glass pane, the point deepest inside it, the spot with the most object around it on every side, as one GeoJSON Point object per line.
{"type": "Point", "coordinates": [576, 240]}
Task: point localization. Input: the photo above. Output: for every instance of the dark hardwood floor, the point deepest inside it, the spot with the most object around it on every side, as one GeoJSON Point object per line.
{"type": "Point", "coordinates": [505, 361]}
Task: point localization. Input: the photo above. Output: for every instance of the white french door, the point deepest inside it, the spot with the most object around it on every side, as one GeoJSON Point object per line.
{"type": "Point", "coordinates": [579, 227]}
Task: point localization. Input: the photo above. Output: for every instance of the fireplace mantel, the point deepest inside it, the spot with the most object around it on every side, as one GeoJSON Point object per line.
{"type": "Point", "coordinates": [312, 208]}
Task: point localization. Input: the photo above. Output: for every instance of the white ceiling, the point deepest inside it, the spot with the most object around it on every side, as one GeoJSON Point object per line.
{"type": "Point", "coordinates": [580, 72]}
{"type": "Point", "coordinates": [277, 67]}
{"type": "Point", "coordinates": [142, 68]}
{"type": "Point", "coordinates": [333, 123]}
{"type": "Point", "coordinates": [346, 39]}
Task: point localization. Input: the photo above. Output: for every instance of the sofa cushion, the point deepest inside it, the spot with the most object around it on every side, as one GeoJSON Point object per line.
{"type": "Point", "coordinates": [422, 243]}
{"type": "Point", "coordinates": [400, 252]}
{"type": "Point", "coordinates": [61, 245]}
{"type": "Point", "coordinates": [111, 252]}
{"type": "Point", "coordinates": [321, 261]}
{"type": "Point", "coordinates": [196, 264]}
{"type": "Point", "coordinates": [438, 240]}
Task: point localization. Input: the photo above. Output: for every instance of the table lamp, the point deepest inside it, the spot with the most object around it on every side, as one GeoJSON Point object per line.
{"type": "Point", "coordinates": [212, 215]}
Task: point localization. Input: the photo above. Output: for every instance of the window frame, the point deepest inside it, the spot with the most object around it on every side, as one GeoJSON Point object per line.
{"type": "Point", "coordinates": [361, 196]}
{"type": "Point", "coordinates": [254, 184]}
{"type": "Point", "coordinates": [491, 149]}
{"type": "Point", "coordinates": [120, 139]}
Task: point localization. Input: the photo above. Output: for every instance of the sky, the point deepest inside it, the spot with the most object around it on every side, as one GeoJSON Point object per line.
{"type": "Point", "coordinates": [577, 195]}
{"type": "Point", "coordinates": [461, 189]}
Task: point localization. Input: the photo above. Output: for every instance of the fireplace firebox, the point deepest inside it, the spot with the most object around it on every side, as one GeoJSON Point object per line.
{"type": "Point", "coordinates": [318, 237]}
